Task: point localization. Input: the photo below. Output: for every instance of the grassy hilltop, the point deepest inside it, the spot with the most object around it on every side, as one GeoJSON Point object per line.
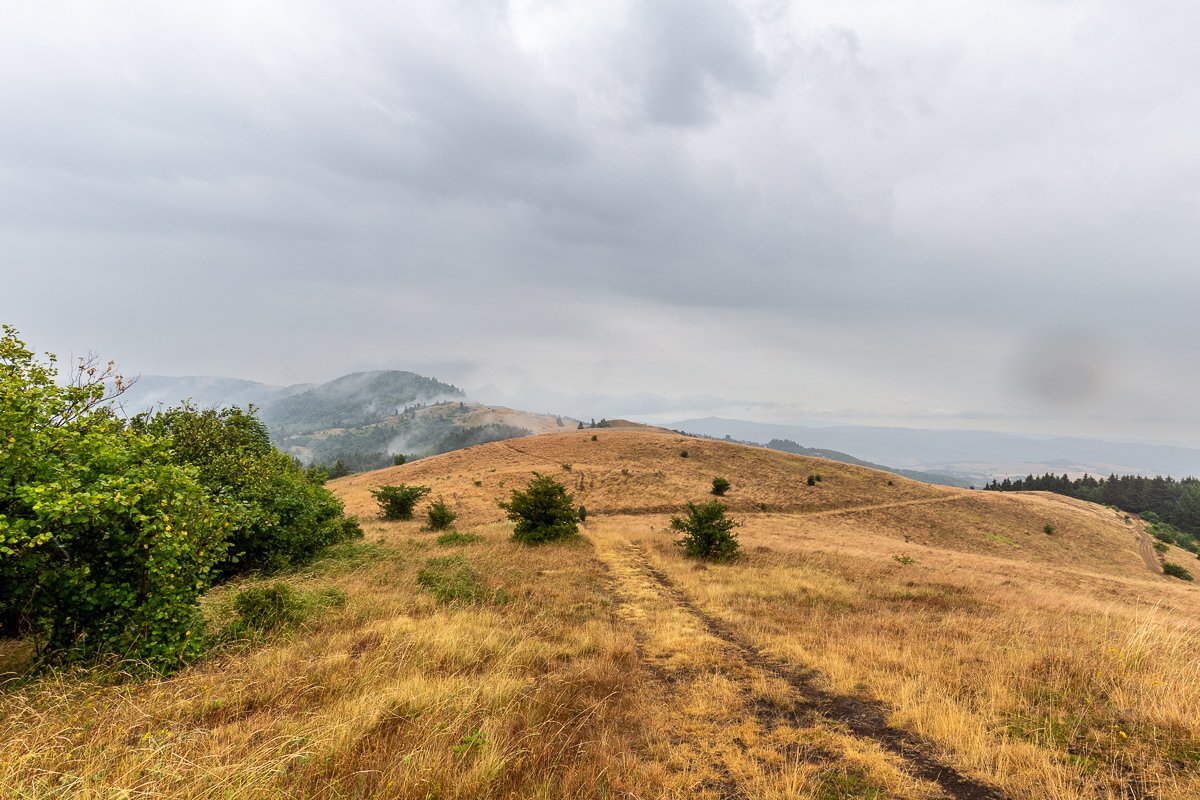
{"type": "Point", "coordinates": [878, 638]}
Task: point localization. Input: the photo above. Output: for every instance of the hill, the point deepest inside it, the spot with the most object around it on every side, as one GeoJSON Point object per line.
{"type": "Point", "coordinates": [360, 420]}
{"type": "Point", "coordinates": [418, 431]}
{"type": "Point", "coordinates": [879, 637]}
{"type": "Point", "coordinates": [354, 400]}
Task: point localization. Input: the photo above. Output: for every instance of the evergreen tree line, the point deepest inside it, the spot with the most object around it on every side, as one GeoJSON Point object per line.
{"type": "Point", "coordinates": [1175, 502]}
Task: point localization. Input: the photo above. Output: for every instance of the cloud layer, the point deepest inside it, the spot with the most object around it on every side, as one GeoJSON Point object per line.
{"type": "Point", "coordinates": [922, 210]}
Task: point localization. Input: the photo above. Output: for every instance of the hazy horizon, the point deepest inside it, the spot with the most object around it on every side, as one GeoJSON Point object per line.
{"type": "Point", "coordinates": [918, 214]}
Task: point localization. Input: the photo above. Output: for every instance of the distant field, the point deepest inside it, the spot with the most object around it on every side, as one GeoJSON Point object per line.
{"type": "Point", "coordinates": [879, 638]}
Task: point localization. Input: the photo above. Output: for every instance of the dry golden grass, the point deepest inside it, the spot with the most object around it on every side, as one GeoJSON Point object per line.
{"type": "Point", "coordinates": [1049, 665]}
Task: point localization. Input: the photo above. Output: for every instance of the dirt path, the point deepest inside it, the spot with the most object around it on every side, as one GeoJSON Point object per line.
{"type": "Point", "coordinates": [1146, 551]}
{"type": "Point", "coordinates": [751, 697]}
{"type": "Point", "coordinates": [927, 501]}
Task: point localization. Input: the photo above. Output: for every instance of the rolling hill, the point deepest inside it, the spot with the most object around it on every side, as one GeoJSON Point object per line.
{"type": "Point", "coordinates": [878, 637]}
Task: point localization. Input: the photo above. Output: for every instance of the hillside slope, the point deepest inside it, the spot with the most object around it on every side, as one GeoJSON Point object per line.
{"type": "Point", "coordinates": [877, 638]}
{"type": "Point", "coordinates": [642, 471]}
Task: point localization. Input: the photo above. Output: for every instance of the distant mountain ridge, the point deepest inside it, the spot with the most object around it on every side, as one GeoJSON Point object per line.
{"type": "Point", "coordinates": [358, 421]}
{"type": "Point", "coordinates": [975, 456]}
{"type": "Point", "coordinates": [354, 400]}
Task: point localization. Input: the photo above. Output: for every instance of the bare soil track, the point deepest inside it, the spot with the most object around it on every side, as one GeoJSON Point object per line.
{"type": "Point", "coordinates": [640, 583]}
{"type": "Point", "coordinates": [1146, 550]}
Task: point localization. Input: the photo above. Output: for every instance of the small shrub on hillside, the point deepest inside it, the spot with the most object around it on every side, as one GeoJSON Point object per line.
{"type": "Point", "coordinates": [582, 512]}
{"type": "Point", "coordinates": [683, 453]}
{"type": "Point", "coordinates": [904, 559]}
{"type": "Point", "coordinates": [1161, 547]}
{"type": "Point", "coordinates": [707, 532]}
{"type": "Point", "coordinates": [440, 515]}
{"type": "Point", "coordinates": [268, 608]}
{"type": "Point", "coordinates": [812, 480]}
{"type": "Point", "coordinates": [595, 438]}
{"type": "Point", "coordinates": [454, 538]}
{"type": "Point", "coordinates": [1176, 571]}
{"type": "Point", "coordinates": [452, 579]}
{"type": "Point", "coordinates": [566, 467]}
{"type": "Point", "coordinates": [720, 486]}
{"type": "Point", "coordinates": [397, 502]}
{"type": "Point", "coordinates": [1048, 529]}
{"type": "Point", "coordinates": [399, 459]}
{"type": "Point", "coordinates": [543, 512]}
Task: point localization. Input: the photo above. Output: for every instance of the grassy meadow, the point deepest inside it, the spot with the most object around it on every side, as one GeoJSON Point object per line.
{"type": "Point", "coordinates": [879, 638]}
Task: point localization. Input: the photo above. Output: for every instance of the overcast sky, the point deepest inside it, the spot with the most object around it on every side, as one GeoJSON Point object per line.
{"type": "Point", "coordinates": [940, 214]}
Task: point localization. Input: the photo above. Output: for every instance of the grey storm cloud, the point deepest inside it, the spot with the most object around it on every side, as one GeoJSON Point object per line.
{"type": "Point", "coordinates": [836, 206]}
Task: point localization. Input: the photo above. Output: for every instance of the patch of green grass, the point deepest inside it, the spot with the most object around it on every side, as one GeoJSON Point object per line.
{"type": "Point", "coordinates": [264, 609]}
{"type": "Point", "coordinates": [841, 785]}
{"type": "Point", "coordinates": [452, 579]}
{"type": "Point", "coordinates": [455, 538]}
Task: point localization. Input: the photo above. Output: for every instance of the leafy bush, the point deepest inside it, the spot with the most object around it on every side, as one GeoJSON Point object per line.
{"type": "Point", "coordinates": [720, 486]}
{"type": "Point", "coordinates": [268, 608]}
{"type": "Point", "coordinates": [543, 512]}
{"type": "Point", "coordinates": [452, 579]}
{"type": "Point", "coordinates": [812, 480]}
{"type": "Point", "coordinates": [398, 459]}
{"type": "Point", "coordinates": [453, 538]}
{"type": "Point", "coordinates": [105, 545]}
{"type": "Point", "coordinates": [582, 513]}
{"type": "Point", "coordinates": [1176, 571]}
{"type": "Point", "coordinates": [683, 453]}
{"type": "Point", "coordinates": [286, 516]}
{"type": "Point", "coordinates": [1048, 529]}
{"type": "Point", "coordinates": [397, 502]}
{"type": "Point", "coordinates": [707, 532]}
{"type": "Point", "coordinates": [440, 515]}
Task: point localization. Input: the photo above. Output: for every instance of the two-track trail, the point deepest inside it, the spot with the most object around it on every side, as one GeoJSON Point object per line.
{"type": "Point", "coordinates": [744, 725]}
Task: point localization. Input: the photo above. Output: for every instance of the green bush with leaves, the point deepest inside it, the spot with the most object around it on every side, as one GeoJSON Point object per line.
{"type": "Point", "coordinates": [707, 532]}
{"type": "Point", "coordinates": [440, 515]}
{"type": "Point", "coordinates": [105, 543]}
{"type": "Point", "coordinates": [1176, 571]}
{"type": "Point", "coordinates": [397, 502]}
{"type": "Point", "coordinates": [720, 486]}
{"type": "Point", "coordinates": [543, 512]}
{"type": "Point", "coordinates": [285, 515]}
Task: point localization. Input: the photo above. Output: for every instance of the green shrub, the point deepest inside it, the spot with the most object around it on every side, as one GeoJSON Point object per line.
{"type": "Point", "coordinates": [440, 515]}
{"type": "Point", "coordinates": [1161, 547]}
{"type": "Point", "coordinates": [1048, 529]}
{"type": "Point", "coordinates": [267, 608]}
{"type": "Point", "coordinates": [543, 512]}
{"type": "Point", "coordinates": [582, 512]}
{"type": "Point", "coordinates": [454, 538]}
{"type": "Point", "coordinates": [707, 532]}
{"type": "Point", "coordinates": [286, 515]}
{"type": "Point", "coordinates": [105, 543]}
{"type": "Point", "coordinates": [595, 438]}
{"type": "Point", "coordinates": [399, 459]}
{"type": "Point", "coordinates": [812, 480]}
{"type": "Point", "coordinates": [452, 579]}
{"type": "Point", "coordinates": [683, 453]}
{"type": "Point", "coordinates": [720, 486]}
{"type": "Point", "coordinates": [1176, 571]}
{"type": "Point", "coordinates": [397, 502]}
